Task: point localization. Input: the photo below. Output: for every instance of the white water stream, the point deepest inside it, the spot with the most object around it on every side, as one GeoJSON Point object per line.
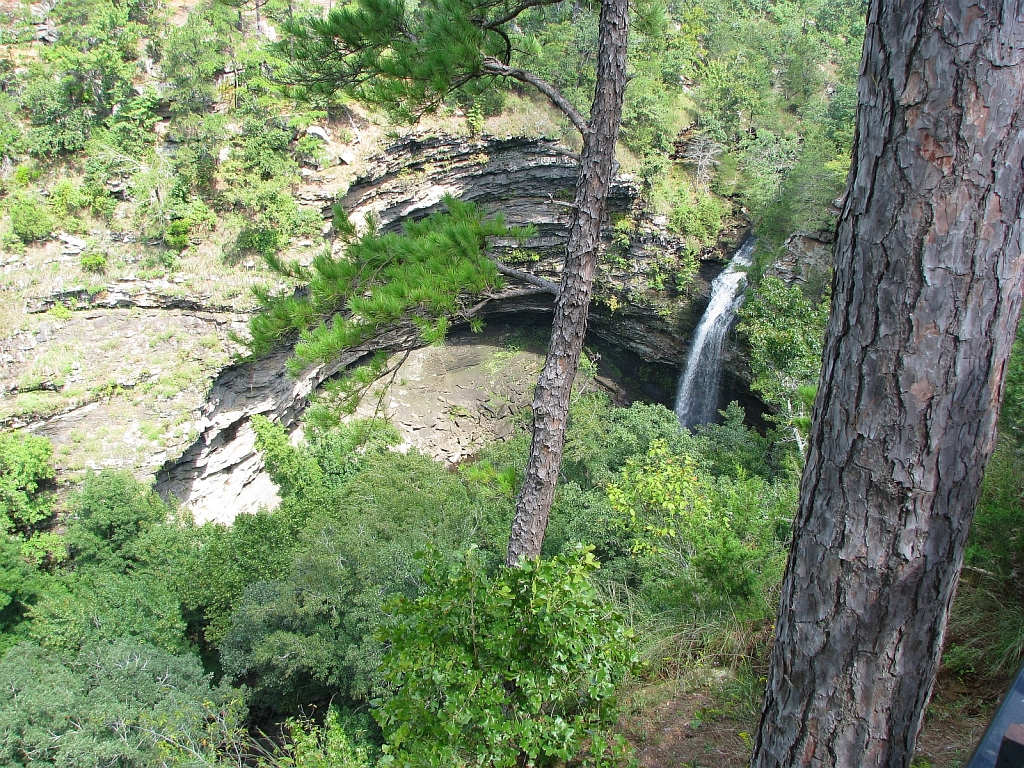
{"type": "Point", "coordinates": [697, 395]}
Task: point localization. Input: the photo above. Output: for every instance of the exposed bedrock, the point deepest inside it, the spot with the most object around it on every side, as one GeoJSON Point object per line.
{"type": "Point", "coordinates": [528, 181]}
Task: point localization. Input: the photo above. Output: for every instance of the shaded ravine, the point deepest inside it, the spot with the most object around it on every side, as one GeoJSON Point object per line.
{"type": "Point", "coordinates": [700, 383]}
{"type": "Point", "coordinates": [221, 475]}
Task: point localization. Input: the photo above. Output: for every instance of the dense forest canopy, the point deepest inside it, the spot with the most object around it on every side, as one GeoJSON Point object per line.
{"type": "Point", "coordinates": [367, 620]}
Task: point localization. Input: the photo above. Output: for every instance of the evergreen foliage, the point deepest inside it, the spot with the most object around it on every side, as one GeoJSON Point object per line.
{"type": "Point", "coordinates": [101, 706]}
{"type": "Point", "coordinates": [30, 217]}
{"type": "Point", "coordinates": [402, 59]}
{"type": "Point", "coordinates": [381, 278]}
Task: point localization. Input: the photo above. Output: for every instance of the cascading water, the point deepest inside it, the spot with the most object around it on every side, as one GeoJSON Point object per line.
{"type": "Point", "coordinates": [697, 395]}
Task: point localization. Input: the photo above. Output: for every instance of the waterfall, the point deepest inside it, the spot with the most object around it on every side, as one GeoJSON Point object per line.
{"type": "Point", "coordinates": [697, 395]}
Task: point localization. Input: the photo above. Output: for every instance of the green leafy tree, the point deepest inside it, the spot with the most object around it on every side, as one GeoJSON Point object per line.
{"type": "Point", "coordinates": [82, 78]}
{"type": "Point", "coordinates": [255, 547]}
{"type": "Point", "coordinates": [193, 55]}
{"type": "Point", "coordinates": [806, 195]}
{"type": "Point", "coordinates": [25, 473]}
{"type": "Point", "coordinates": [21, 585]}
{"type": "Point", "coordinates": [83, 608]}
{"type": "Point", "coordinates": [709, 538]}
{"type": "Point", "coordinates": [115, 523]}
{"type": "Point", "coordinates": [309, 635]}
{"type": "Point", "coordinates": [785, 333]}
{"type": "Point", "coordinates": [504, 670]}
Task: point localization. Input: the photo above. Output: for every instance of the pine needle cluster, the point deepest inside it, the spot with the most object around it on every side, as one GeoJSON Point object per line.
{"type": "Point", "coordinates": [401, 57]}
{"type": "Point", "coordinates": [424, 273]}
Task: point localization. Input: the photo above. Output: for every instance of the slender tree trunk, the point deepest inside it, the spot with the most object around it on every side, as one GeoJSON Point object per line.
{"type": "Point", "coordinates": [926, 301]}
{"type": "Point", "coordinates": [551, 402]}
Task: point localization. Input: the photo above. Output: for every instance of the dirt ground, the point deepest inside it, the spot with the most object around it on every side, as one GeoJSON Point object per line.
{"type": "Point", "coordinates": [711, 723]}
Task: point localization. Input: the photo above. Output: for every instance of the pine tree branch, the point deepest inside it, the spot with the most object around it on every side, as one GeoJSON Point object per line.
{"type": "Point", "coordinates": [507, 58]}
{"type": "Point", "coordinates": [515, 12]}
{"type": "Point", "coordinates": [547, 285]}
{"type": "Point", "coordinates": [492, 66]}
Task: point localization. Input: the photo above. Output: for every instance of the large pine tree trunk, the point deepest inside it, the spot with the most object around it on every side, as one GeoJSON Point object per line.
{"type": "Point", "coordinates": [551, 402]}
{"type": "Point", "coordinates": [926, 301]}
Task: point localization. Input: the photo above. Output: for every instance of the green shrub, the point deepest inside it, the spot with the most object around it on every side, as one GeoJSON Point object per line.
{"type": "Point", "coordinates": [701, 220]}
{"type": "Point", "coordinates": [500, 670]}
{"type": "Point", "coordinates": [263, 241]}
{"type": "Point", "coordinates": [94, 262]}
{"type": "Point", "coordinates": [310, 150]}
{"type": "Point", "coordinates": [66, 200]}
{"type": "Point", "coordinates": [192, 57]}
{"type": "Point", "coordinates": [21, 585]}
{"type": "Point", "coordinates": [31, 218]}
{"type": "Point", "coordinates": [25, 174]}
{"type": "Point", "coordinates": [177, 234]}
{"type": "Point", "coordinates": [312, 746]}
{"type": "Point", "coordinates": [25, 474]}
{"type": "Point", "coordinates": [115, 519]}
{"type": "Point", "coordinates": [709, 552]}
{"type": "Point", "coordinates": [651, 115]}
{"type": "Point", "coordinates": [986, 628]}
{"type": "Point", "coordinates": [188, 218]}
{"type": "Point", "coordinates": [114, 703]}
{"type": "Point", "coordinates": [805, 198]}
{"type": "Point", "coordinates": [12, 139]}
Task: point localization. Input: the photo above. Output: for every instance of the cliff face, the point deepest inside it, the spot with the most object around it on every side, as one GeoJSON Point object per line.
{"type": "Point", "coordinates": [806, 261]}
{"type": "Point", "coordinates": [526, 180]}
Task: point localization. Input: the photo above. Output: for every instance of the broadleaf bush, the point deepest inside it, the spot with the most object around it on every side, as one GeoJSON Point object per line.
{"type": "Point", "coordinates": [520, 667]}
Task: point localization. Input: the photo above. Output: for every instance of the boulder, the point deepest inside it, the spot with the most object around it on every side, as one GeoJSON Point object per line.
{"type": "Point", "coordinates": [318, 133]}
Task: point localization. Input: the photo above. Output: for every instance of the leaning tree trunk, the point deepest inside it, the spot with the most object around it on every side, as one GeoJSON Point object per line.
{"type": "Point", "coordinates": [926, 301]}
{"type": "Point", "coordinates": [551, 402]}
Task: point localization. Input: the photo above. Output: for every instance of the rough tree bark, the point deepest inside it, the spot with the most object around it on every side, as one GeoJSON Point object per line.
{"type": "Point", "coordinates": [551, 402]}
{"type": "Point", "coordinates": [927, 296]}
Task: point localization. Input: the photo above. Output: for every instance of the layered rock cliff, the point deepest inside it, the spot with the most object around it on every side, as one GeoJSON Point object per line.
{"type": "Point", "coordinates": [526, 181]}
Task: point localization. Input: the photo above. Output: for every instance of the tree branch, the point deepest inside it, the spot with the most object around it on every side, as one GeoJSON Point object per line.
{"type": "Point", "coordinates": [526, 277]}
{"type": "Point", "coordinates": [515, 12]}
{"type": "Point", "coordinates": [492, 66]}
{"type": "Point", "coordinates": [507, 40]}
